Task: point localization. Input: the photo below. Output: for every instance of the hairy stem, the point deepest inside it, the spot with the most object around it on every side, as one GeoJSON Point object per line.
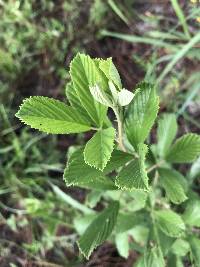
{"type": "Point", "coordinates": [155, 166]}
{"type": "Point", "coordinates": [120, 130]}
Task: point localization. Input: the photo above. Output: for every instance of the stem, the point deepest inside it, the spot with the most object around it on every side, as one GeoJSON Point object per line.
{"type": "Point", "coordinates": [155, 166]}
{"type": "Point", "coordinates": [120, 130]}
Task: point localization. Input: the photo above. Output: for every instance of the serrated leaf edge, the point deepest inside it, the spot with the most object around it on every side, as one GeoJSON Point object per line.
{"type": "Point", "coordinates": [91, 165]}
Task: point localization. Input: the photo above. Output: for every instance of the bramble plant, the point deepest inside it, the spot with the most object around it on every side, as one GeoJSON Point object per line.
{"type": "Point", "coordinates": [135, 180]}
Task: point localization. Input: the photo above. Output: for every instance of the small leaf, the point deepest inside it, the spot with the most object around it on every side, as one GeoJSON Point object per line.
{"type": "Point", "coordinates": [191, 215]}
{"type": "Point", "coordinates": [170, 182]}
{"type": "Point", "coordinates": [125, 97]}
{"type": "Point", "coordinates": [122, 243]}
{"type": "Point", "coordinates": [99, 148]}
{"type": "Point", "coordinates": [100, 96]}
{"type": "Point", "coordinates": [51, 116]}
{"type": "Point", "coordinates": [180, 247]}
{"type": "Point", "coordinates": [170, 223]}
{"type": "Point", "coordinates": [99, 230]}
{"type": "Point", "coordinates": [141, 114]}
{"type": "Point", "coordinates": [110, 71]}
{"type": "Point", "coordinates": [185, 149]}
{"type": "Point", "coordinates": [167, 129]}
{"type": "Point", "coordinates": [134, 176]}
{"type": "Point", "coordinates": [79, 173]}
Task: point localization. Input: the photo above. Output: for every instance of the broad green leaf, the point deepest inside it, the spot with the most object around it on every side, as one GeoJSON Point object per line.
{"type": "Point", "coordinates": [101, 96]}
{"type": "Point", "coordinates": [99, 148]}
{"type": "Point", "coordinates": [51, 116]}
{"type": "Point", "coordinates": [134, 175]}
{"type": "Point", "coordinates": [99, 230]}
{"type": "Point", "coordinates": [85, 73]}
{"type": "Point", "coordinates": [195, 248]}
{"type": "Point", "coordinates": [110, 71]}
{"type": "Point", "coordinates": [75, 102]}
{"type": "Point", "coordinates": [185, 149]}
{"type": "Point", "coordinates": [180, 247]}
{"type": "Point", "coordinates": [124, 97]}
{"type": "Point", "coordinates": [78, 173]}
{"type": "Point", "coordinates": [170, 223]}
{"type": "Point", "coordinates": [122, 244]}
{"type": "Point", "coordinates": [141, 114]}
{"type": "Point", "coordinates": [167, 129]}
{"type": "Point", "coordinates": [173, 188]}
{"type": "Point", "coordinates": [191, 215]}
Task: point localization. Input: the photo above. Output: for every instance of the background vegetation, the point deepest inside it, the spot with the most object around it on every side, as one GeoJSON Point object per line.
{"type": "Point", "coordinates": [156, 40]}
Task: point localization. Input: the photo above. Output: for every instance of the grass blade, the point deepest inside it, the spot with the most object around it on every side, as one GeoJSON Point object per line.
{"type": "Point", "coordinates": [181, 17]}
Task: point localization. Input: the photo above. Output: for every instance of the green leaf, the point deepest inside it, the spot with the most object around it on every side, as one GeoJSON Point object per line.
{"type": "Point", "coordinates": [170, 223]}
{"type": "Point", "coordinates": [75, 102]}
{"type": "Point", "coordinates": [85, 73]}
{"type": "Point", "coordinates": [126, 221]}
{"type": "Point", "coordinates": [167, 129]}
{"type": "Point", "coordinates": [122, 244]}
{"type": "Point", "coordinates": [100, 96]}
{"type": "Point", "coordinates": [170, 182]}
{"type": "Point", "coordinates": [78, 173]}
{"type": "Point", "coordinates": [82, 222]}
{"type": "Point", "coordinates": [99, 148]}
{"type": "Point", "coordinates": [118, 159]}
{"type": "Point", "coordinates": [99, 230]}
{"type": "Point", "coordinates": [93, 198]}
{"type": "Point", "coordinates": [195, 169]}
{"type": "Point", "coordinates": [195, 248]}
{"type": "Point", "coordinates": [185, 149]}
{"type": "Point", "coordinates": [134, 175]}
{"type": "Point", "coordinates": [51, 116]}
{"type": "Point", "coordinates": [141, 114]}
{"type": "Point", "coordinates": [125, 97]}
{"type": "Point", "coordinates": [110, 71]}
{"type": "Point", "coordinates": [180, 247]}
{"type": "Point", "coordinates": [191, 215]}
